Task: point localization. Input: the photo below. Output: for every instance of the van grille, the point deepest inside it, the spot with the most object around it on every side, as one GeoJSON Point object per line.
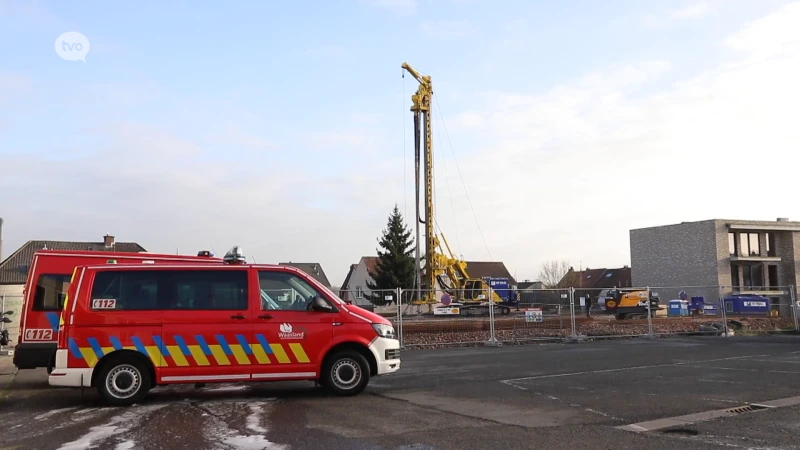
{"type": "Point", "coordinates": [393, 354]}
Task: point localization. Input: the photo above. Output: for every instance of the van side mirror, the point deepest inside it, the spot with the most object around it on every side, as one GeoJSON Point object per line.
{"type": "Point", "coordinates": [319, 304]}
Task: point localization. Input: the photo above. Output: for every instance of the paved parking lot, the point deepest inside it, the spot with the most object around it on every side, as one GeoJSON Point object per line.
{"type": "Point", "coordinates": [664, 393]}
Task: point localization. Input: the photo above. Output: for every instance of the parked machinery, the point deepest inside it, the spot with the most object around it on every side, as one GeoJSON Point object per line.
{"type": "Point", "coordinates": [631, 303]}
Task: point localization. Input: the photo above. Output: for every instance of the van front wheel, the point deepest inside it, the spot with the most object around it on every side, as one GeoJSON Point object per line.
{"type": "Point", "coordinates": [124, 381]}
{"type": "Point", "coordinates": [345, 373]}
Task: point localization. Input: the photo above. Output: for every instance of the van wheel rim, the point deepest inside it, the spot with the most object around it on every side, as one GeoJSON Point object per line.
{"type": "Point", "coordinates": [123, 381]}
{"type": "Point", "coordinates": [346, 374]}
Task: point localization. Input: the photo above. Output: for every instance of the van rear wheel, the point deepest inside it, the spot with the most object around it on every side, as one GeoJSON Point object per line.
{"type": "Point", "coordinates": [345, 373]}
{"type": "Point", "coordinates": [124, 381]}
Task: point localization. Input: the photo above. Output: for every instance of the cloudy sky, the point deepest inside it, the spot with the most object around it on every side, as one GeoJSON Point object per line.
{"type": "Point", "coordinates": [284, 127]}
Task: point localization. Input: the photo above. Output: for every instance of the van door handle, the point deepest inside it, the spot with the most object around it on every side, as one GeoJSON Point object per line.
{"type": "Point", "coordinates": [238, 316]}
{"type": "Point", "coordinates": [265, 316]}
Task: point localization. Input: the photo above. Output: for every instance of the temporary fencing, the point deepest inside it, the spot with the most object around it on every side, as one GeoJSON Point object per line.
{"type": "Point", "coordinates": [424, 318]}
{"type": "Point", "coordinates": [11, 303]}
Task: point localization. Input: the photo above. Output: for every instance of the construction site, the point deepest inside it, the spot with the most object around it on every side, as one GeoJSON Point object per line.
{"type": "Point", "coordinates": [448, 306]}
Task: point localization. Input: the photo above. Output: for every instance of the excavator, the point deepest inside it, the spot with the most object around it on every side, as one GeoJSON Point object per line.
{"type": "Point", "coordinates": [631, 303]}
{"type": "Point", "coordinates": [461, 294]}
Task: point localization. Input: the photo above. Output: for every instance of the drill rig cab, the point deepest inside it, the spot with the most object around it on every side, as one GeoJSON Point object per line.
{"type": "Point", "coordinates": [631, 303]}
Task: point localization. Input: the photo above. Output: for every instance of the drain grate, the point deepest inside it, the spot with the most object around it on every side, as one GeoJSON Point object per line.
{"type": "Point", "coordinates": [745, 409]}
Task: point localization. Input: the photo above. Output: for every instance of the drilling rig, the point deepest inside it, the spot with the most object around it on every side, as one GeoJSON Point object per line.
{"type": "Point", "coordinates": [461, 294]}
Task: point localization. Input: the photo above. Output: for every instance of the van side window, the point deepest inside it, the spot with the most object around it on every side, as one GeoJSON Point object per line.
{"type": "Point", "coordinates": [50, 292]}
{"type": "Point", "coordinates": [285, 291]}
{"type": "Point", "coordinates": [126, 290]}
{"type": "Point", "coordinates": [208, 290]}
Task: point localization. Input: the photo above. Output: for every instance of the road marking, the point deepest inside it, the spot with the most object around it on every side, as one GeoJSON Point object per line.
{"type": "Point", "coordinates": [776, 361]}
{"type": "Point", "coordinates": [622, 369]}
{"type": "Point", "coordinates": [739, 369]}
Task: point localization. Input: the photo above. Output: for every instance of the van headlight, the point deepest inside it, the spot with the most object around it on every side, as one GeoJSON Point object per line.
{"type": "Point", "coordinates": [386, 331]}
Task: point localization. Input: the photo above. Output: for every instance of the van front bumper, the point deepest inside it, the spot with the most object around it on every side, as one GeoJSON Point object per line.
{"type": "Point", "coordinates": [387, 354]}
{"type": "Point", "coordinates": [69, 377]}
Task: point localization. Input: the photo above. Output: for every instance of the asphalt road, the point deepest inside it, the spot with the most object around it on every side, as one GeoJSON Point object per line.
{"type": "Point", "coordinates": [560, 396]}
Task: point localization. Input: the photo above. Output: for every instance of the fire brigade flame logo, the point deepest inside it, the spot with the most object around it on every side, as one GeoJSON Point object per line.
{"type": "Point", "coordinates": [287, 332]}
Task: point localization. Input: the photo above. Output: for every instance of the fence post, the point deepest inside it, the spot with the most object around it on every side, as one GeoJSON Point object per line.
{"type": "Point", "coordinates": [649, 314]}
{"type": "Point", "coordinates": [399, 293]}
{"type": "Point", "coordinates": [572, 311]}
{"type": "Point", "coordinates": [492, 339]}
{"type": "Point", "coordinates": [2, 324]}
{"type": "Point", "coordinates": [723, 313]}
{"type": "Point", "coordinates": [795, 307]}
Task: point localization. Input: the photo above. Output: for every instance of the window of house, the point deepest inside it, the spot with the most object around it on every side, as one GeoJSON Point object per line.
{"type": "Point", "coordinates": [359, 292]}
{"type": "Point", "coordinates": [735, 276]}
{"type": "Point", "coordinates": [285, 291]}
{"type": "Point", "coordinates": [757, 279]}
{"type": "Point", "coordinates": [732, 243]}
{"type": "Point", "coordinates": [753, 276]}
{"type": "Point", "coordinates": [749, 244]}
{"type": "Point", "coordinates": [772, 275]}
{"type": "Point", "coordinates": [50, 292]}
{"type": "Point", "coordinates": [754, 244]}
{"type": "Point", "coordinates": [770, 244]}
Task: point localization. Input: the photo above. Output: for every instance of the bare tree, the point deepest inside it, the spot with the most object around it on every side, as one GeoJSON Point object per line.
{"type": "Point", "coordinates": [557, 274]}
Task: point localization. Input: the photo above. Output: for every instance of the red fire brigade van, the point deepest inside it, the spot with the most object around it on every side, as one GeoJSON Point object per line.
{"type": "Point", "coordinates": [128, 328]}
{"type": "Point", "coordinates": [48, 279]}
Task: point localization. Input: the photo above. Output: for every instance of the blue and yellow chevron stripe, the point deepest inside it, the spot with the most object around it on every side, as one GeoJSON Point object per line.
{"type": "Point", "coordinates": [218, 353]}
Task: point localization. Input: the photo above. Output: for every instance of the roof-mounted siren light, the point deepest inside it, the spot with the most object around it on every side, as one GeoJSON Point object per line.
{"type": "Point", "coordinates": [235, 256]}
{"type": "Point", "coordinates": [206, 253]}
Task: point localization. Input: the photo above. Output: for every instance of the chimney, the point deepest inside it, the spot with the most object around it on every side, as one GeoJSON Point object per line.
{"type": "Point", "coordinates": [1, 238]}
{"type": "Point", "coordinates": [780, 219]}
{"type": "Point", "coordinates": [108, 240]}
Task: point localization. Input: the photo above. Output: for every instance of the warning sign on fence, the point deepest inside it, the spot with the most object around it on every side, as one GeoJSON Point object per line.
{"type": "Point", "coordinates": [533, 315]}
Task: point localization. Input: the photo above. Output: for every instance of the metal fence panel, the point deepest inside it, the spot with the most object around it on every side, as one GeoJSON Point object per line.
{"type": "Point", "coordinates": [542, 314]}
{"type": "Point", "coordinates": [419, 326]}
{"type": "Point", "coordinates": [11, 303]}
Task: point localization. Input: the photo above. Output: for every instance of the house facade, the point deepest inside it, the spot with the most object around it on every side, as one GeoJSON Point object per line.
{"type": "Point", "coordinates": [312, 269]}
{"type": "Point", "coordinates": [354, 288]}
{"type": "Point", "coordinates": [719, 257]}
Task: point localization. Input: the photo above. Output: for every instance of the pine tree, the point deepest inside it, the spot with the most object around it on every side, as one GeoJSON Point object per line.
{"type": "Point", "coordinates": [396, 265]}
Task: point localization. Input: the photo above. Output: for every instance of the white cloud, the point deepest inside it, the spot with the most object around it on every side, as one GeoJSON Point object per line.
{"type": "Point", "coordinates": [569, 171]}
{"type": "Point", "coordinates": [401, 7]}
{"type": "Point", "coordinates": [777, 33]}
{"type": "Point", "coordinates": [690, 11]}
{"type": "Point", "coordinates": [448, 28]}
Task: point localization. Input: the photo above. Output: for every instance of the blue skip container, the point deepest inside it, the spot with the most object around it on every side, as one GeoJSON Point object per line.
{"type": "Point", "coordinates": [748, 305]}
